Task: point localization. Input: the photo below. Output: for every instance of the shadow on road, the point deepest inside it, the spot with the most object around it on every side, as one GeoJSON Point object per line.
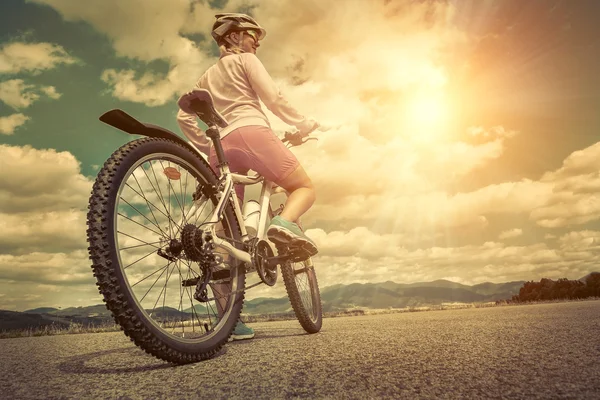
{"type": "Point", "coordinates": [84, 364]}
{"type": "Point", "coordinates": [132, 359]}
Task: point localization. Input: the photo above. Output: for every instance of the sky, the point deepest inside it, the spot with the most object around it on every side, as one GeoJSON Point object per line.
{"type": "Point", "coordinates": [465, 141]}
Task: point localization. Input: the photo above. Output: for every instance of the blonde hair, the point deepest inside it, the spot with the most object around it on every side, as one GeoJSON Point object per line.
{"type": "Point", "coordinates": [226, 51]}
{"type": "Point", "coordinates": [228, 47]}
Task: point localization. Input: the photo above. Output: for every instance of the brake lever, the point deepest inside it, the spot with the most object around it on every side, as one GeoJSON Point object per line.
{"type": "Point", "coordinates": [296, 140]}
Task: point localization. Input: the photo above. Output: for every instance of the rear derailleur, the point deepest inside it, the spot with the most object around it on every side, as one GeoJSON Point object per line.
{"type": "Point", "coordinates": [200, 249]}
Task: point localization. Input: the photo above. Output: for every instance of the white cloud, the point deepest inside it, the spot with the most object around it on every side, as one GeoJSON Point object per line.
{"type": "Point", "coordinates": [148, 31]}
{"type": "Point", "coordinates": [575, 198]}
{"type": "Point", "coordinates": [51, 92]}
{"type": "Point", "coordinates": [55, 279]}
{"type": "Point", "coordinates": [40, 181]}
{"type": "Point", "coordinates": [363, 256]}
{"type": "Point", "coordinates": [150, 89]}
{"type": "Point", "coordinates": [430, 209]}
{"type": "Point", "coordinates": [50, 231]}
{"type": "Point", "coordinates": [496, 131]}
{"type": "Point", "coordinates": [580, 240]}
{"type": "Point", "coordinates": [512, 233]}
{"type": "Point", "coordinates": [19, 57]}
{"type": "Point", "coordinates": [18, 94]}
{"type": "Point", "coordinates": [12, 122]}
{"type": "Point", "coordinates": [43, 199]}
{"type": "Point", "coordinates": [579, 163]}
{"type": "Point", "coordinates": [402, 45]}
{"type": "Point", "coordinates": [71, 268]}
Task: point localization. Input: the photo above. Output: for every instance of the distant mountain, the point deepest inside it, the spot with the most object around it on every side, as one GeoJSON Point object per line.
{"type": "Point", "coordinates": [397, 295]}
{"type": "Point", "coordinates": [167, 313]}
{"type": "Point", "coordinates": [98, 310]}
{"type": "Point", "coordinates": [41, 310]}
{"type": "Point", "coordinates": [200, 309]}
{"type": "Point", "coordinates": [11, 320]}
{"type": "Point", "coordinates": [45, 316]}
{"type": "Point", "coordinates": [267, 305]}
{"type": "Point", "coordinates": [334, 298]}
{"type": "Point", "coordinates": [584, 279]}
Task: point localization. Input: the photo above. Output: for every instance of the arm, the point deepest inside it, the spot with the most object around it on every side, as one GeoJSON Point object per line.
{"type": "Point", "coordinates": [188, 125]}
{"type": "Point", "coordinates": [262, 83]}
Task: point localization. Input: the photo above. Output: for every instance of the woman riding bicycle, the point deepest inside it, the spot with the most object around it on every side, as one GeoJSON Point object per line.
{"type": "Point", "coordinates": [237, 82]}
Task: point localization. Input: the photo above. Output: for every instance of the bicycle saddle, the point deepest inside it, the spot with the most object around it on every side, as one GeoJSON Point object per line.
{"type": "Point", "coordinates": [200, 102]}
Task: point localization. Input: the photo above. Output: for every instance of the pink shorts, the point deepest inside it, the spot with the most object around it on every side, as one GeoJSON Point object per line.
{"type": "Point", "coordinates": [256, 148]}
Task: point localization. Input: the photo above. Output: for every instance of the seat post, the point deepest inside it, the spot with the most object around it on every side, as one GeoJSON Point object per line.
{"type": "Point", "coordinates": [213, 133]}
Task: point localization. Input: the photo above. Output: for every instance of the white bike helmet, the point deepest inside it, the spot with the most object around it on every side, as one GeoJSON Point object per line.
{"type": "Point", "coordinates": [232, 22]}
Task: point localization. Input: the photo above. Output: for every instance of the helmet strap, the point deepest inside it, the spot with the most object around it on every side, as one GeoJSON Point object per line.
{"type": "Point", "coordinates": [233, 44]}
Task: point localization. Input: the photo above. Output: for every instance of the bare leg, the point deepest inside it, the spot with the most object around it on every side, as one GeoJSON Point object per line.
{"type": "Point", "coordinates": [301, 194]}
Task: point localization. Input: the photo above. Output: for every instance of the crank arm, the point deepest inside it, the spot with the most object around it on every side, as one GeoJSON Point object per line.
{"type": "Point", "coordinates": [294, 256]}
{"type": "Point", "coordinates": [216, 276]}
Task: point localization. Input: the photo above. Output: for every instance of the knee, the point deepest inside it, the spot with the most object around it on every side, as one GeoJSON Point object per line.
{"type": "Point", "coordinates": [310, 188]}
{"type": "Point", "coordinates": [306, 184]}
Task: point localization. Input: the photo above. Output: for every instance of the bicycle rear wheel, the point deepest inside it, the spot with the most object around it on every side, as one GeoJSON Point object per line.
{"type": "Point", "coordinates": [302, 288]}
{"type": "Point", "coordinates": [144, 249]}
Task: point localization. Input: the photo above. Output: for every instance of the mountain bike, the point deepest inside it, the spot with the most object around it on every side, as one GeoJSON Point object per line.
{"type": "Point", "coordinates": [171, 245]}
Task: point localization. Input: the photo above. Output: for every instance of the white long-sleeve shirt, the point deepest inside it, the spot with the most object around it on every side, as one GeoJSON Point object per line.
{"type": "Point", "coordinates": [236, 83]}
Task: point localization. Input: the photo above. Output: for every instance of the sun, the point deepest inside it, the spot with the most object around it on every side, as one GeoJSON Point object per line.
{"type": "Point", "coordinates": [427, 116]}
{"type": "Point", "coordinates": [427, 109]}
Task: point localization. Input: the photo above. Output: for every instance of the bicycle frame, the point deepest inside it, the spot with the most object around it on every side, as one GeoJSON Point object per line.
{"type": "Point", "coordinates": [226, 192]}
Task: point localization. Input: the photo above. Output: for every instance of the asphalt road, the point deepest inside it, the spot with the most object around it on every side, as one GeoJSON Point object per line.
{"type": "Point", "coordinates": [544, 351]}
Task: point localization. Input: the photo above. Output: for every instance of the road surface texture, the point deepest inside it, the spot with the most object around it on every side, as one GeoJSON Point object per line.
{"type": "Point", "coordinates": [543, 351]}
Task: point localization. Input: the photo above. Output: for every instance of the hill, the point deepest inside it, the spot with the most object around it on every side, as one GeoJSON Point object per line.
{"type": "Point", "coordinates": [334, 298]}
{"type": "Point", "coordinates": [41, 310]}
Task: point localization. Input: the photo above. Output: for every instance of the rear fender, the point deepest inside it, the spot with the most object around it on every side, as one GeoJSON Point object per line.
{"type": "Point", "coordinates": [121, 120]}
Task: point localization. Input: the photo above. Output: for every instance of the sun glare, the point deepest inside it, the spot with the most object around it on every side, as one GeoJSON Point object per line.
{"type": "Point", "coordinates": [427, 116]}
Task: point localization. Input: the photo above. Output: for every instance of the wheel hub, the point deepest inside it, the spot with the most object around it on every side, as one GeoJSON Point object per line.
{"type": "Point", "coordinates": [175, 247]}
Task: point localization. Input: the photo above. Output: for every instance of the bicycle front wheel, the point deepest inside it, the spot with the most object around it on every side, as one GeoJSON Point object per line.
{"type": "Point", "coordinates": [143, 232]}
{"type": "Point", "coordinates": [302, 288]}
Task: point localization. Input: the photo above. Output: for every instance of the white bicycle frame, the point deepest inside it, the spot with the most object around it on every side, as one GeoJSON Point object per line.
{"type": "Point", "coordinates": [226, 191]}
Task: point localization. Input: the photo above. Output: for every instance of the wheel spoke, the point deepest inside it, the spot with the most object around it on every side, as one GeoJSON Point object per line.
{"type": "Point", "coordinates": [149, 204]}
{"type": "Point", "coordinates": [202, 212]}
{"type": "Point", "coordinates": [139, 259]}
{"type": "Point", "coordinates": [143, 196]}
{"type": "Point", "coordinates": [142, 225]}
{"type": "Point", "coordinates": [163, 290]}
{"type": "Point", "coordinates": [161, 197]}
{"type": "Point", "coordinates": [161, 274]}
{"type": "Point", "coordinates": [158, 192]}
{"type": "Point", "coordinates": [173, 189]}
{"type": "Point", "coordinates": [140, 245]}
{"type": "Point", "coordinates": [139, 240]}
{"type": "Point", "coordinates": [148, 276]}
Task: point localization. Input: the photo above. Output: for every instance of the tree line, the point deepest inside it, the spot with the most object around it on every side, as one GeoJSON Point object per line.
{"type": "Point", "coordinates": [548, 289]}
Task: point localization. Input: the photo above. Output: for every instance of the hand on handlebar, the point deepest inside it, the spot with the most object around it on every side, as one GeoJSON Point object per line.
{"type": "Point", "coordinates": [297, 138]}
{"type": "Point", "coordinates": [293, 138]}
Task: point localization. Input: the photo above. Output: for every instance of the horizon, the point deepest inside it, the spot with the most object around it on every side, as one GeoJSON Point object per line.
{"type": "Point", "coordinates": [465, 147]}
{"type": "Point", "coordinates": [267, 297]}
{"type": "Point", "coordinates": [323, 289]}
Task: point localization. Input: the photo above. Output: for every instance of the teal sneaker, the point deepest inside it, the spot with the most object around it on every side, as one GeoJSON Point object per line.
{"type": "Point", "coordinates": [281, 231]}
{"type": "Point", "coordinates": [241, 332]}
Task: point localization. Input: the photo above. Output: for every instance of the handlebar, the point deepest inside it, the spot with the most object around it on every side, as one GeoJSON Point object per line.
{"type": "Point", "coordinates": [296, 138]}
